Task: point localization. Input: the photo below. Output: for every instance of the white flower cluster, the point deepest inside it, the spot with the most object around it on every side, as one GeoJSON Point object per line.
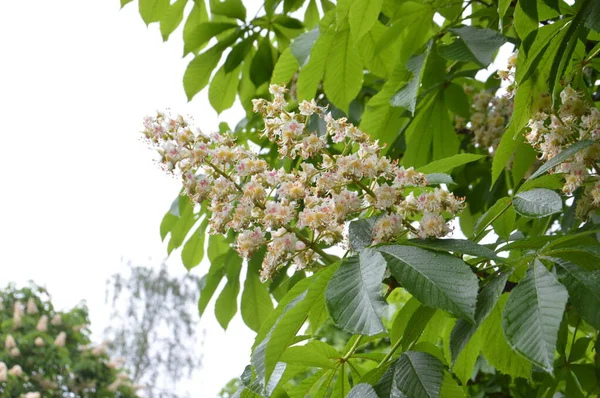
{"type": "Point", "coordinates": [552, 132]}
{"type": "Point", "coordinates": [297, 212]}
{"type": "Point", "coordinates": [489, 119]}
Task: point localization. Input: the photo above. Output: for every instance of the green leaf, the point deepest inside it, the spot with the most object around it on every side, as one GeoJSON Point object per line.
{"type": "Point", "coordinates": [532, 315]}
{"type": "Point", "coordinates": [496, 349]}
{"type": "Point", "coordinates": [593, 15]}
{"type": "Point", "coordinates": [229, 8]}
{"type": "Point", "coordinates": [437, 279]}
{"type": "Point", "coordinates": [280, 328]}
{"type": "Point", "coordinates": [223, 88]}
{"type": "Point", "coordinates": [288, 22]}
{"type": "Point", "coordinates": [416, 325]}
{"type": "Point", "coordinates": [301, 46]}
{"type": "Point", "coordinates": [312, 72]}
{"type": "Point", "coordinates": [450, 387]}
{"type": "Point", "coordinates": [505, 224]}
{"type": "Point", "coordinates": [406, 97]}
{"type": "Point", "coordinates": [193, 250]}
{"type": "Point", "coordinates": [430, 136]}
{"type": "Point", "coordinates": [484, 221]}
{"type": "Point", "coordinates": [204, 32]}
{"type": "Point", "coordinates": [182, 227]}
{"type": "Point", "coordinates": [418, 374]}
{"type": "Point", "coordinates": [343, 71]}
{"type": "Point", "coordinates": [314, 354]}
{"type": "Point", "coordinates": [363, 15]}
{"type": "Point", "coordinates": [226, 304]}
{"type": "Point", "coordinates": [380, 63]}
{"type": "Point", "coordinates": [562, 157]}
{"type": "Point", "coordinates": [198, 72]}
{"type": "Point", "coordinates": [537, 203]}
{"type": "Point", "coordinates": [506, 148]}
{"type": "Point", "coordinates": [447, 164]}
{"type": "Point", "coordinates": [153, 10]}
{"type": "Point", "coordinates": [197, 16]}
{"type": "Point", "coordinates": [261, 68]}
{"type": "Point", "coordinates": [584, 290]}
{"type": "Point", "coordinates": [439, 178]}
{"type": "Point", "coordinates": [360, 233]}
{"type": "Point", "coordinates": [285, 68]}
{"type": "Point", "coordinates": [256, 304]}
{"type": "Point", "coordinates": [207, 286]}
{"type": "Point", "coordinates": [402, 318]}
{"type": "Point", "coordinates": [465, 361]}
{"type": "Point", "coordinates": [172, 18]}
{"type": "Point", "coordinates": [486, 301]}
{"type": "Point", "coordinates": [362, 390]}
{"type": "Point", "coordinates": [481, 42]}
{"type": "Point", "coordinates": [460, 246]}
{"type": "Point", "coordinates": [353, 295]}
{"type": "Point", "coordinates": [125, 2]}
{"type": "Point", "coordinates": [238, 53]}
{"type": "Point", "coordinates": [311, 16]}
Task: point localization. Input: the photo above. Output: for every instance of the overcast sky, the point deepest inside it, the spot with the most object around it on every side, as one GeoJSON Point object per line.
{"type": "Point", "coordinates": [78, 190]}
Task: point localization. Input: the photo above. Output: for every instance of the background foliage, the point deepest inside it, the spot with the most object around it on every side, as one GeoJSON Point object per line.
{"type": "Point", "coordinates": [517, 316]}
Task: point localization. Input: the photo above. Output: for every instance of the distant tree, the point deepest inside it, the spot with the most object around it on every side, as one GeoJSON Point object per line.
{"type": "Point", "coordinates": [47, 353]}
{"type": "Point", "coordinates": [153, 326]}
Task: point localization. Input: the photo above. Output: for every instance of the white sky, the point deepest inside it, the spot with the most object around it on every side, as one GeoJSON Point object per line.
{"type": "Point", "coordinates": [78, 190]}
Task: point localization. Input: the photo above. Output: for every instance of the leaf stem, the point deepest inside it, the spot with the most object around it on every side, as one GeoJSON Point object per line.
{"type": "Point", "coordinates": [480, 235]}
{"type": "Point", "coordinates": [389, 354]}
{"type": "Point", "coordinates": [352, 349]}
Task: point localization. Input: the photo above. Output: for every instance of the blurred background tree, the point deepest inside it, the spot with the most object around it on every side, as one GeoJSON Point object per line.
{"type": "Point", "coordinates": [48, 353]}
{"type": "Point", "coordinates": [153, 327]}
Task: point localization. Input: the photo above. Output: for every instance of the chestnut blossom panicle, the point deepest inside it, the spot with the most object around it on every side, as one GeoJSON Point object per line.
{"type": "Point", "coordinates": [296, 213]}
{"type": "Point", "coordinates": [550, 133]}
{"type": "Point", "coordinates": [490, 117]}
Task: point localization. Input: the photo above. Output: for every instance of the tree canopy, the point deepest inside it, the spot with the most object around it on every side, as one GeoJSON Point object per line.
{"type": "Point", "coordinates": [366, 133]}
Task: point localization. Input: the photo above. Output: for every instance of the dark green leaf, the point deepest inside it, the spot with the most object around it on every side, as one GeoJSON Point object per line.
{"type": "Point", "coordinates": [562, 157]}
{"type": "Point", "coordinates": [406, 97]}
{"type": "Point", "coordinates": [419, 375]}
{"type": "Point", "coordinates": [440, 178]}
{"type": "Point", "coordinates": [238, 53]}
{"type": "Point", "coordinates": [532, 315]}
{"type": "Point", "coordinates": [262, 64]}
{"type": "Point", "coordinates": [353, 295]}
{"type": "Point", "coordinates": [584, 290]}
{"type": "Point", "coordinates": [537, 203]}
{"type": "Point", "coordinates": [416, 325]}
{"type": "Point", "coordinates": [360, 233]}
{"type": "Point", "coordinates": [481, 42]}
{"type": "Point", "coordinates": [288, 22]}
{"type": "Point", "coordinates": [362, 390]}
{"type": "Point", "coordinates": [437, 279]}
{"type": "Point", "coordinates": [486, 301]}
{"type": "Point", "coordinates": [461, 246]}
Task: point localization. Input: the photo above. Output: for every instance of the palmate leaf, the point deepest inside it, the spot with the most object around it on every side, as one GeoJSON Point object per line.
{"type": "Point", "coordinates": [360, 233]}
{"type": "Point", "coordinates": [363, 15]}
{"type": "Point", "coordinates": [279, 330]}
{"type": "Point", "coordinates": [481, 43]}
{"type": "Point", "coordinates": [353, 295]}
{"type": "Point", "coordinates": [537, 203]}
{"type": "Point", "coordinates": [584, 290]}
{"type": "Point", "coordinates": [532, 315]}
{"type": "Point", "coordinates": [436, 279]}
{"type": "Point", "coordinates": [256, 304]}
{"type": "Point", "coordinates": [447, 164]}
{"type": "Point", "coordinates": [193, 250]}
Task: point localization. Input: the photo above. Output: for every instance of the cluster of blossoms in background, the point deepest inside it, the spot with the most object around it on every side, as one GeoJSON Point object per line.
{"type": "Point", "coordinates": [339, 176]}
{"type": "Point", "coordinates": [489, 119]}
{"type": "Point", "coordinates": [46, 351]}
{"type": "Point", "coordinates": [552, 132]}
